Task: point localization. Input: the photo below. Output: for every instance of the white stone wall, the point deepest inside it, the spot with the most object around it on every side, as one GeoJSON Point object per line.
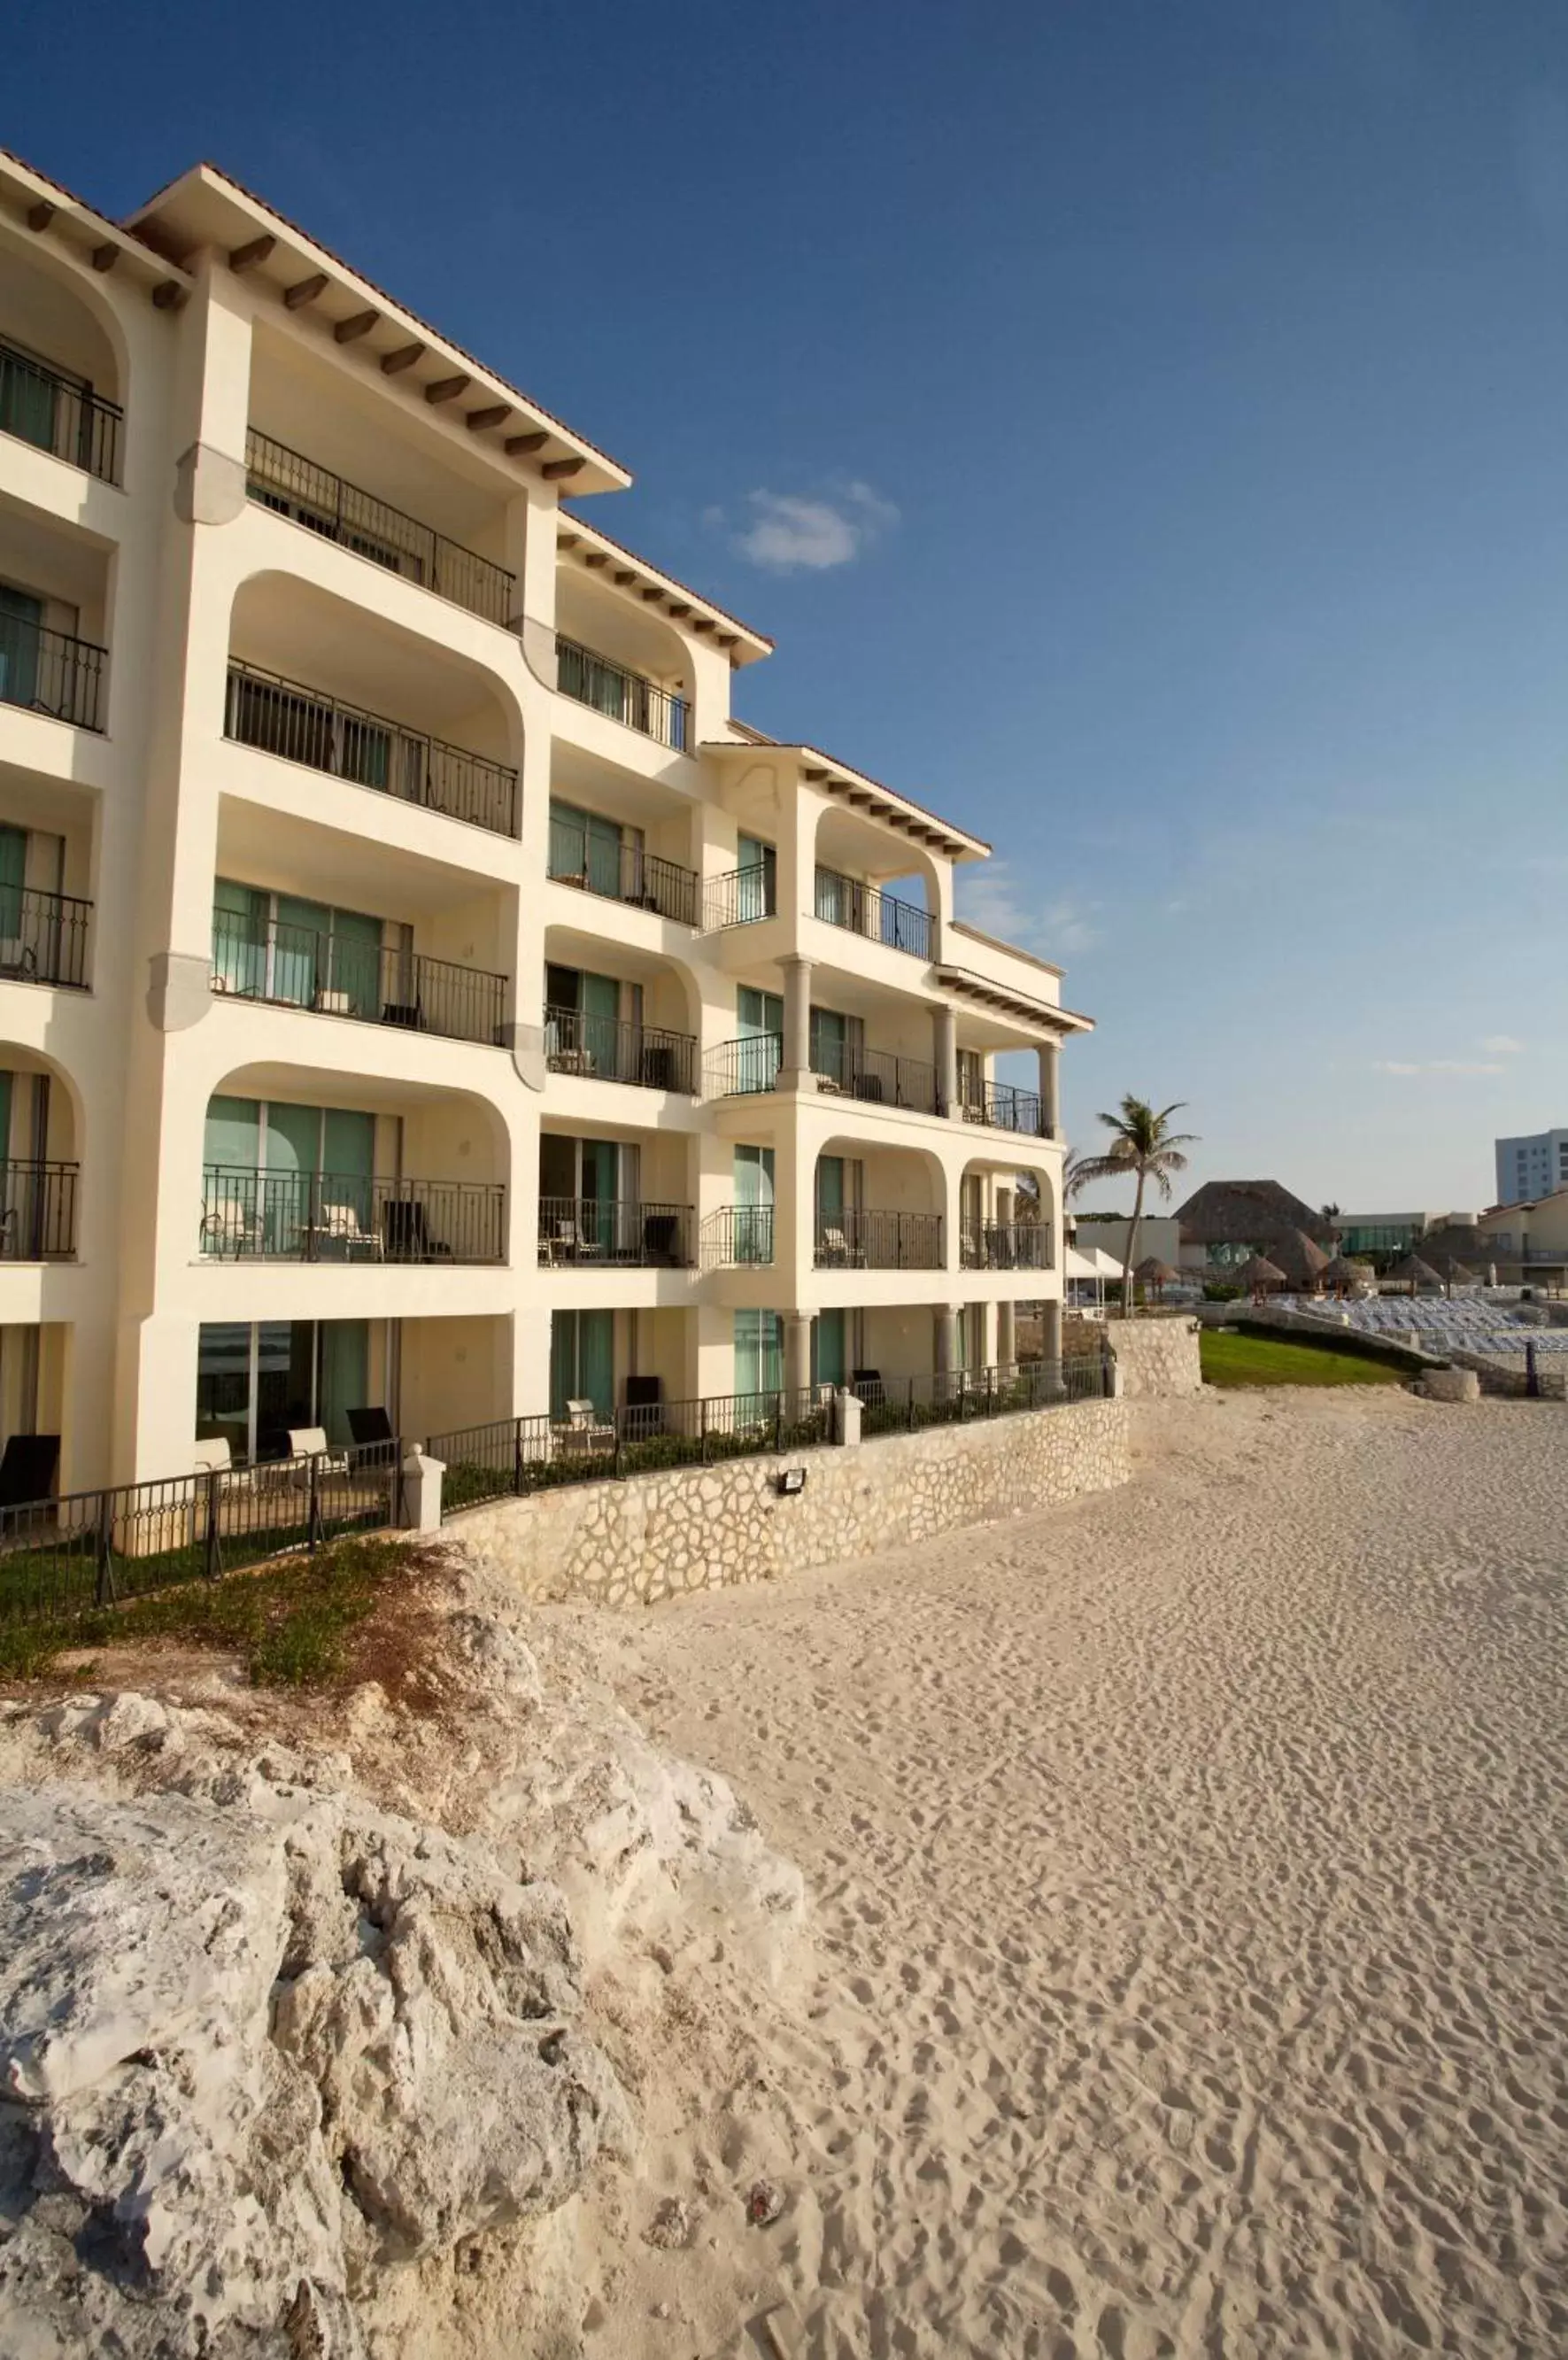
{"type": "Point", "coordinates": [1158, 1358]}
{"type": "Point", "coordinates": [653, 1537]}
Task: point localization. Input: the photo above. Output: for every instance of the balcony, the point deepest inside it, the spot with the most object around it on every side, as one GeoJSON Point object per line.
{"type": "Point", "coordinates": [349, 1217]}
{"type": "Point", "coordinates": [621, 872]}
{"type": "Point", "coordinates": [738, 1237]}
{"type": "Point", "coordinates": [50, 672]}
{"type": "Point", "coordinates": [43, 937]}
{"type": "Point", "coordinates": [603, 1049]}
{"type": "Point", "coordinates": [37, 1211]}
{"type": "Point", "coordinates": [1002, 1108]}
{"type": "Point", "coordinates": [294, 486]}
{"type": "Point", "coordinates": [1003, 1245]}
{"type": "Point", "coordinates": [880, 917]}
{"type": "Point", "coordinates": [626, 696]}
{"type": "Point", "coordinates": [587, 1232]}
{"type": "Point", "coordinates": [295, 967]}
{"type": "Point", "coordinates": [301, 724]}
{"type": "Point", "coordinates": [58, 414]}
{"type": "Point", "coordinates": [874, 1076]}
{"type": "Point", "coordinates": [740, 897]}
{"type": "Point", "coordinates": [853, 1239]}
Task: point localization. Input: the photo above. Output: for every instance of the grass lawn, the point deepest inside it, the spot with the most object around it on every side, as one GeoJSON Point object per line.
{"type": "Point", "coordinates": [1266, 1360]}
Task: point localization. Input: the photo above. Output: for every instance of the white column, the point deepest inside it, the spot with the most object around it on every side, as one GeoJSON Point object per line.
{"type": "Point", "coordinates": [946, 1317]}
{"type": "Point", "coordinates": [1006, 1349]}
{"type": "Point", "coordinates": [945, 1052]}
{"type": "Point", "coordinates": [1051, 1331]}
{"type": "Point", "coordinates": [797, 1057]}
{"type": "Point", "coordinates": [797, 1351]}
{"type": "Point", "coordinates": [1050, 1056]}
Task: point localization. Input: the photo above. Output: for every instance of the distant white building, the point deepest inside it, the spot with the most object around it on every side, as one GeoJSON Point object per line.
{"type": "Point", "coordinates": [1531, 1168]}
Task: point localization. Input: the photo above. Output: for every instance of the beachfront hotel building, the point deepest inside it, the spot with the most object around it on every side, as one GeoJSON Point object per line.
{"type": "Point", "coordinates": [417, 990]}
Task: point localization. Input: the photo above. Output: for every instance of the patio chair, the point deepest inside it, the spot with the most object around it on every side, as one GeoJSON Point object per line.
{"type": "Point", "coordinates": [660, 1237]}
{"type": "Point", "coordinates": [839, 1254]}
{"type": "Point", "coordinates": [229, 1228]}
{"type": "Point", "coordinates": [406, 1233]}
{"type": "Point", "coordinates": [583, 1431]}
{"type": "Point", "coordinates": [307, 1443]}
{"type": "Point", "coordinates": [19, 961]}
{"type": "Point", "coordinates": [369, 1426]}
{"type": "Point", "coordinates": [340, 1225]}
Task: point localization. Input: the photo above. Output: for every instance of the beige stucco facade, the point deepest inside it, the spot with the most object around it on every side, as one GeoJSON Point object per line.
{"type": "Point", "coordinates": [405, 960]}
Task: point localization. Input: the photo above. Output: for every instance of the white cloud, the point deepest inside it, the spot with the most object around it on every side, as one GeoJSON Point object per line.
{"type": "Point", "coordinates": [1502, 1044]}
{"type": "Point", "coordinates": [787, 534]}
{"type": "Point", "coordinates": [1001, 902]}
{"type": "Point", "coordinates": [1432, 1066]}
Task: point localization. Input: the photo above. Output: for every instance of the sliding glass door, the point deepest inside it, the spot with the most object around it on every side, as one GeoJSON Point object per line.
{"type": "Point", "coordinates": [256, 1384]}
{"type": "Point", "coordinates": [582, 1362]}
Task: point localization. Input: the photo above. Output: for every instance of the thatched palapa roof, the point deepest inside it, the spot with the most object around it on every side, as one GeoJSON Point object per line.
{"type": "Point", "coordinates": [1298, 1256]}
{"type": "Point", "coordinates": [1248, 1213]}
{"type": "Point", "coordinates": [1259, 1272]}
{"type": "Point", "coordinates": [1414, 1272]}
{"type": "Point", "coordinates": [1155, 1272]}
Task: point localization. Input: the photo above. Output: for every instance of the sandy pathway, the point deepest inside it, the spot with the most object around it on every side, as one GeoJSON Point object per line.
{"type": "Point", "coordinates": [1192, 1935]}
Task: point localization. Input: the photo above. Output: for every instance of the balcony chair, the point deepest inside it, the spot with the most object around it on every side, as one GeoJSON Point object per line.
{"type": "Point", "coordinates": [582, 1432]}
{"type": "Point", "coordinates": [28, 1469]}
{"type": "Point", "coordinates": [835, 1252]}
{"type": "Point", "coordinates": [868, 1087]}
{"type": "Point", "coordinates": [309, 1442]}
{"type": "Point", "coordinates": [340, 1225]}
{"type": "Point", "coordinates": [645, 1407]}
{"type": "Point", "coordinates": [658, 1070]}
{"type": "Point", "coordinates": [230, 1230]}
{"type": "Point", "coordinates": [408, 1013]}
{"type": "Point", "coordinates": [660, 1238]}
{"type": "Point", "coordinates": [214, 1455]}
{"type": "Point", "coordinates": [369, 1426]}
{"type": "Point", "coordinates": [867, 1384]}
{"type": "Point", "coordinates": [407, 1234]}
{"type": "Point", "coordinates": [330, 1001]}
{"type": "Point", "coordinates": [19, 961]}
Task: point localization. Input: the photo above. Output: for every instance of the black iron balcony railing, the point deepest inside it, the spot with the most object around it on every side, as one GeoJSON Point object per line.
{"type": "Point", "coordinates": [297, 967]}
{"type": "Point", "coordinates": [738, 1237]}
{"type": "Point", "coordinates": [854, 1240]}
{"type": "Point", "coordinates": [43, 937]}
{"type": "Point", "coordinates": [50, 672]}
{"type": "Point", "coordinates": [302, 724]}
{"type": "Point", "coordinates": [604, 1050]}
{"type": "Point", "coordinates": [584, 1229]}
{"type": "Point", "coordinates": [875, 1077]}
{"type": "Point", "coordinates": [621, 872]}
{"type": "Point", "coordinates": [58, 414]}
{"type": "Point", "coordinates": [740, 897]}
{"type": "Point", "coordinates": [1003, 1245]}
{"type": "Point", "coordinates": [295, 487]}
{"type": "Point", "coordinates": [881, 917]}
{"type": "Point", "coordinates": [737, 1068]}
{"type": "Point", "coordinates": [1003, 1108]}
{"type": "Point", "coordinates": [249, 1216]}
{"type": "Point", "coordinates": [37, 1211]}
{"type": "Point", "coordinates": [592, 679]}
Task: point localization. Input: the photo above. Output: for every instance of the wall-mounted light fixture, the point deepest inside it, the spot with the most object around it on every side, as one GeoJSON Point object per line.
{"type": "Point", "coordinates": [792, 1480]}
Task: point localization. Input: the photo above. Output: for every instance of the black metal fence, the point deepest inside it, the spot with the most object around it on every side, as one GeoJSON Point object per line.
{"type": "Point", "coordinates": [851, 1238]}
{"type": "Point", "coordinates": [58, 414]}
{"type": "Point", "coordinates": [592, 679]}
{"type": "Point", "coordinates": [516, 1457]}
{"type": "Point", "coordinates": [1003, 1245]}
{"type": "Point", "coordinates": [252, 1215]}
{"type": "Point", "coordinates": [43, 936]}
{"type": "Point", "coordinates": [1003, 1108]}
{"type": "Point", "coordinates": [736, 1069]}
{"type": "Point", "coordinates": [63, 1557]}
{"type": "Point", "coordinates": [295, 487]}
{"type": "Point", "coordinates": [299, 967]}
{"type": "Point", "coordinates": [37, 1211]}
{"type": "Point", "coordinates": [586, 1230]}
{"type": "Point", "coordinates": [603, 1049]}
{"type": "Point", "coordinates": [863, 909]}
{"type": "Point", "coordinates": [621, 872]}
{"type": "Point", "coordinates": [50, 672]}
{"type": "Point", "coordinates": [302, 724]}
{"type": "Point", "coordinates": [737, 1237]}
{"type": "Point", "coordinates": [742, 896]}
{"type": "Point", "coordinates": [876, 1078]}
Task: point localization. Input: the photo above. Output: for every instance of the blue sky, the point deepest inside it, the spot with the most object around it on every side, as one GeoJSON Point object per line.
{"type": "Point", "coordinates": [1142, 427]}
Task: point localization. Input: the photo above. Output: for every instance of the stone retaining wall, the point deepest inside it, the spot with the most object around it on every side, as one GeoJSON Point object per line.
{"type": "Point", "coordinates": [1158, 1358]}
{"type": "Point", "coordinates": [653, 1537]}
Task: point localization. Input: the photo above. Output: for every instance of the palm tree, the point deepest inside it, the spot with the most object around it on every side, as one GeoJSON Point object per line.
{"type": "Point", "coordinates": [1141, 1142]}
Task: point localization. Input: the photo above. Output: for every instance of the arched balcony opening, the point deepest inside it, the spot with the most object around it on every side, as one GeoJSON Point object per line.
{"type": "Point", "coordinates": [300, 1165]}
{"type": "Point", "coordinates": [620, 838]}
{"type": "Point", "coordinates": [62, 371]}
{"type": "Point", "coordinates": [317, 681]}
{"type": "Point", "coordinates": [875, 884]}
{"type": "Point", "coordinates": [46, 878]}
{"type": "Point", "coordinates": [612, 1196]}
{"type": "Point", "coordinates": [616, 1014]}
{"type": "Point", "coordinates": [309, 917]}
{"type": "Point", "coordinates": [1006, 1219]}
{"type": "Point", "coordinates": [622, 661]}
{"type": "Point", "coordinates": [40, 1149]}
{"type": "Point", "coordinates": [877, 1208]}
{"type": "Point", "coordinates": [54, 611]}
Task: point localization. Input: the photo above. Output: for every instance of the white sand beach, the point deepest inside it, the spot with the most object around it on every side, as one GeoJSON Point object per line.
{"type": "Point", "coordinates": [1190, 1971]}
